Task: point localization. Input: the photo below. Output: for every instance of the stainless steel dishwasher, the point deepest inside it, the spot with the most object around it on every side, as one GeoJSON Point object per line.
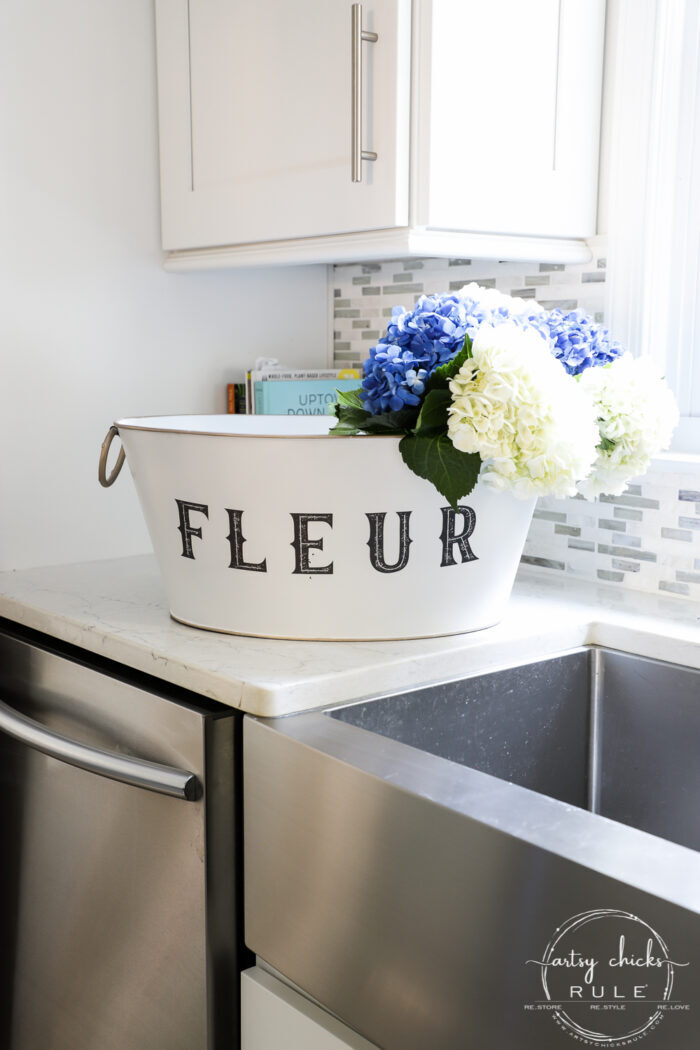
{"type": "Point", "coordinates": [120, 915]}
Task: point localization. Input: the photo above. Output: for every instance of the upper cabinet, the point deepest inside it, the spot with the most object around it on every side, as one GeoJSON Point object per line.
{"type": "Point", "coordinates": [325, 131]}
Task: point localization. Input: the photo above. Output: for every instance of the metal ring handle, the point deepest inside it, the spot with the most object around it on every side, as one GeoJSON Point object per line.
{"type": "Point", "coordinates": [104, 452]}
{"type": "Point", "coordinates": [358, 35]}
{"type": "Point", "coordinates": [152, 776]}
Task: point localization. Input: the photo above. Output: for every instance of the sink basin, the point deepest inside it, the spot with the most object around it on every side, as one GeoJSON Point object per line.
{"type": "Point", "coordinates": [406, 855]}
{"type": "Point", "coordinates": [607, 731]}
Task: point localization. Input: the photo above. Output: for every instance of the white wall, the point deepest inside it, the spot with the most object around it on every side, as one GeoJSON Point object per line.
{"type": "Point", "coordinates": [91, 326]}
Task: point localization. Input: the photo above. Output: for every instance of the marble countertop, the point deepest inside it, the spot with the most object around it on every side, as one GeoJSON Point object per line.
{"type": "Point", "coordinates": [118, 609]}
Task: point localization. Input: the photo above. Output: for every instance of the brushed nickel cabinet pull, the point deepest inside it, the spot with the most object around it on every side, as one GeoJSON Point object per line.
{"type": "Point", "coordinates": [358, 35]}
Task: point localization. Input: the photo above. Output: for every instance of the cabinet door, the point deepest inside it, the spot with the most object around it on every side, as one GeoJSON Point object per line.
{"type": "Point", "coordinates": [255, 119]}
{"type": "Point", "coordinates": [510, 115]}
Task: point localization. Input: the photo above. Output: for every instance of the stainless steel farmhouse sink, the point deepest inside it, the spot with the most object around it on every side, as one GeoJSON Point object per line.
{"type": "Point", "coordinates": [502, 862]}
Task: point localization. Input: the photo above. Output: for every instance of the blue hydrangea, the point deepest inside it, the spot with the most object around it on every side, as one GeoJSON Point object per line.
{"type": "Point", "coordinates": [577, 341]}
{"type": "Point", "coordinates": [416, 343]}
{"type": "Point", "coordinates": [420, 340]}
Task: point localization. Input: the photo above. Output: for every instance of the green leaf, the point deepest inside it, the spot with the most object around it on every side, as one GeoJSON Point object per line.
{"type": "Point", "coordinates": [453, 473]}
{"type": "Point", "coordinates": [350, 421]}
{"type": "Point", "coordinates": [400, 422]}
{"type": "Point", "coordinates": [351, 398]}
{"type": "Point", "coordinates": [349, 412]}
{"type": "Point", "coordinates": [440, 379]}
{"type": "Point", "coordinates": [433, 414]}
{"type": "Point", "coordinates": [343, 430]}
{"type": "Point", "coordinates": [606, 445]}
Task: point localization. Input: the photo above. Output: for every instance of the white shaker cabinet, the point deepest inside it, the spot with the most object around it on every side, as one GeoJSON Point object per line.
{"type": "Point", "coordinates": [275, 1017]}
{"type": "Point", "coordinates": [484, 117]}
{"type": "Point", "coordinates": [255, 119]}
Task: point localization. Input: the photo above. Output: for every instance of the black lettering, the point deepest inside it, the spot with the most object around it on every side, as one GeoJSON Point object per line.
{"type": "Point", "coordinates": [302, 544]}
{"type": "Point", "coordinates": [236, 540]}
{"type": "Point", "coordinates": [449, 538]}
{"type": "Point", "coordinates": [376, 541]}
{"type": "Point", "coordinates": [185, 529]}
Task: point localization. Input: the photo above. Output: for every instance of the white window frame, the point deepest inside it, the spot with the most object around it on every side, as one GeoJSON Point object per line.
{"type": "Point", "coordinates": [650, 192]}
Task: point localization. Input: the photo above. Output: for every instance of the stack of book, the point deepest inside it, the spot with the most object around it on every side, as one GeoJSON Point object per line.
{"type": "Point", "coordinates": [282, 392]}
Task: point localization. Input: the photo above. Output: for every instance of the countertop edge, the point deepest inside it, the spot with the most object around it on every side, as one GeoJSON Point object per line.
{"type": "Point", "coordinates": [116, 609]}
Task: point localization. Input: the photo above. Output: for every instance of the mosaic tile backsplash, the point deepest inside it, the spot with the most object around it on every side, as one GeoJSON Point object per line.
{"type": "Point", "coordinates": [365, 293]}
{"type": "Point", "coordinates": [649, 537]}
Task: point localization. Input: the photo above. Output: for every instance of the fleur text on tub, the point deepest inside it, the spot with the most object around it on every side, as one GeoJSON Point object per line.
{"type": "Point", "coordinates": [302, 543]}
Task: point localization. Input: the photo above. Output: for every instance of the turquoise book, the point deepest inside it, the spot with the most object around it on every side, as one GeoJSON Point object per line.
{"type": "Point", "coordinates": [299, 397]}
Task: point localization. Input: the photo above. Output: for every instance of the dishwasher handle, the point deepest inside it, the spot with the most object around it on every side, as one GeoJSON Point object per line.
{"type": "Point", "coordinates": [151, 776]}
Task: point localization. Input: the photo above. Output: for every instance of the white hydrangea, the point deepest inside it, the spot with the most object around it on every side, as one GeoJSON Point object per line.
{"type": "Point", "coordinates": [492, 299]}
{"type": "Point", "coordinates": [531, 422]}
{"type": "Point", "coordinates": [636, 414]}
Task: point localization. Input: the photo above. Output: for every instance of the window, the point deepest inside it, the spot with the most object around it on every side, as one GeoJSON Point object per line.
{"type": "Point", "coordinates": [650, 191]}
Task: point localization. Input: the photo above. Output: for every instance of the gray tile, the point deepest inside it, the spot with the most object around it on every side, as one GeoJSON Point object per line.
{"type": "Point", "coordinates": [413, 264]}
{"type": "Point", "coordinates": [625, 566]}
{"type": "Point", "coordinates": [362, 323]}
{"type": "Point", "coordinates": [387, 311]}
{"type": "Point", "coordinates": [689, 523]}
{"type": "Point", "coordinates": [361, 280]}
{"type": "Point", "coordinates": [676, 534]}
{"type": "Point", "coordinates": [614, 526]}
{"type": "Point", "coordinates": [391, 289]}
{"type": "Point", "coordinates": [544, 563]}
{"type": "Point", "coordinates": [626, 552]}
{"type": "Point", "coordinates": [537, 278]}
{"type": "Point", "coordinates": [629, 541]}
{"type": "Point", "coordinates": [675, 588]}
{"type": "Point", "coordinates": [633, 490]}
{"type": "Point", "coordinates": [582, 545]}
{"type": "Point", "coordinates": [371, 291]}
{"type": "Point", "coordinates": [691, 495]}
{"type": "Point", "coordinates": [602, 263]}
{"type": "Point", "coordinates": [630, 501]}
{"type": "Point", "coordinates": [595, 277]}
{"type": "Point", "coordinates": [341, 302]}
{"type": "Point", "coordinates": [486, 282]}
{"type": "Point", "coordinates": [687, 577]}
{"type": "Point", "coordinates": [567, 530]}
{"type": "Point", "coordinates": [371, 267]}
{"type": "Point", "coordinates": [523, 293]}
{"type": "Point", "coordinates": [346, 313]}
{"type": "Point", "coordinates": [549, 515]}
{"type": "Point", "coordinates": [599, 317]}
{"type": "Point", "coordinates": [336, 293]}
{"type": "Point", "coordinates": [627, 514]}
{"type": "Point", "coordinates": [559, 304]}
{"type": "Point", "coordinates": [551, 267]}
{"type": "Point", "coordinates": [341, 346]}
{"type": "Point", "coordinates": [370, 336]}
{"type": "Point", "coordinates": [610, 577]}
{"type": "Point", "coordinates": [347, 357]}
{"type": "Point", "coordinates": [459, 262]}
{"type": "Point", "coordinates": [400, 278]}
